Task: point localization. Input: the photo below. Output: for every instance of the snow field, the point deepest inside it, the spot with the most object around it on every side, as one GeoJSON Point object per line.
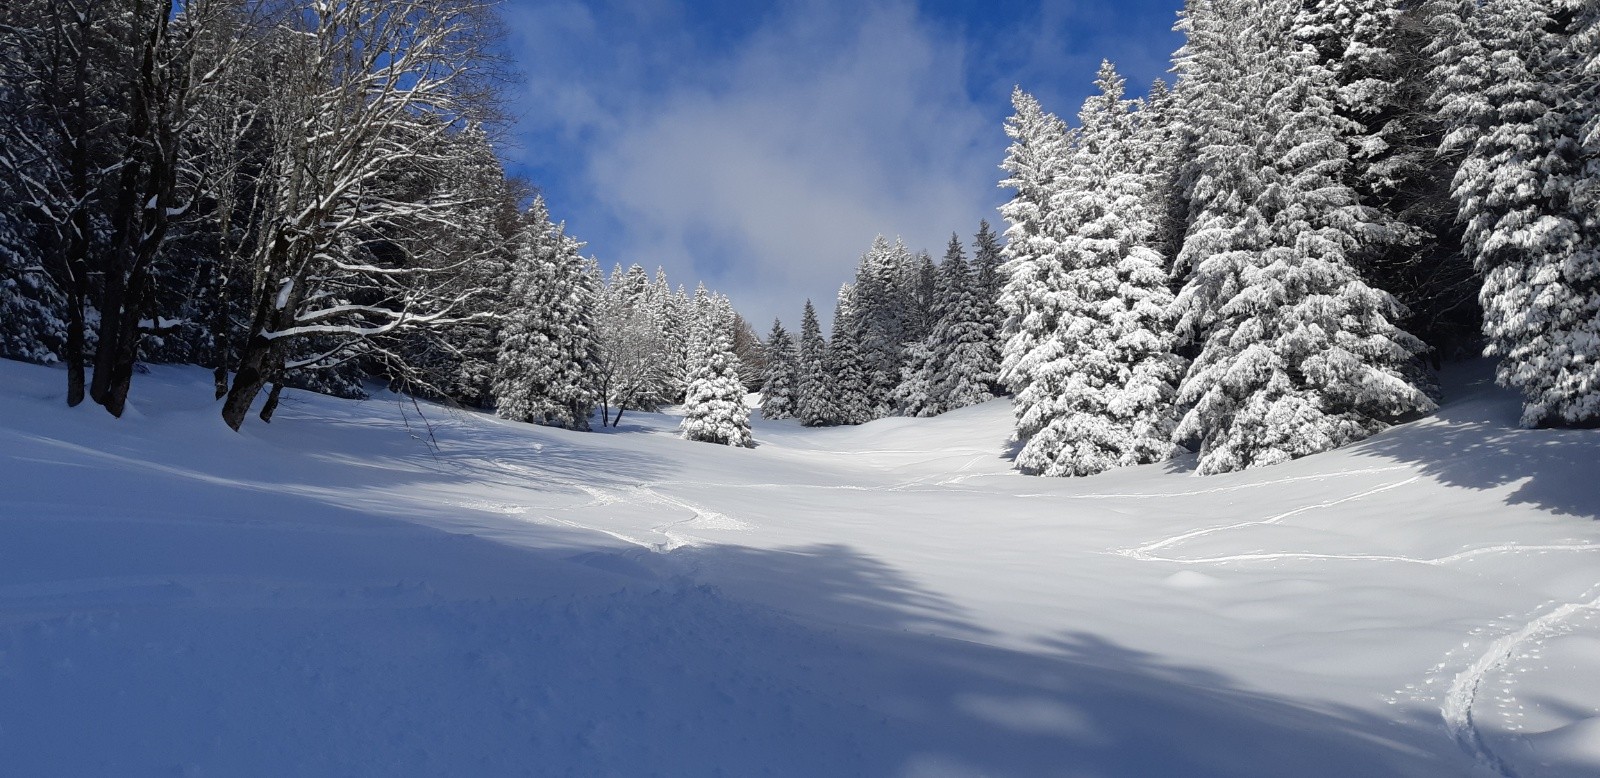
{"type": "Point", "coordinates": [340, 594]}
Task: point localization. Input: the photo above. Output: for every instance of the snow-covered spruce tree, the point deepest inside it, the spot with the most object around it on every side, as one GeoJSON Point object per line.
{"type": "Point", "coordinates": [883, 317]}
{"type": "Point", "coordinates": [850, 382]}
{"type": "Point", "coordinates": [986, 262]}
{"type": "Point", "coordinates": [920, 392]}
{"type": "Point", "coordinates": [1507, 88]}
{"type": "Point", "coordinates": [1583, 51]}
{"type": "Point", "coordinates": [780, 384]}
{"type": "Point", "coordinates": [714, 409]}
{"type": "Point", "coordinates": [549, 355]}
{"type": "Point", "coordinates": [922, 299]}
{"type": "Point", "coordinates": [1161, 142]}
{"type": "Point", "coordinates": [963, 340]}
{"type": "Point", "coordinates": [674, 318]}
{"type": "Point", "coordinates": [1375, 54]}
{"type": "Point", "coordinates": [915, 396]}
{"type": "Point", "coordinates": [814, 400]}
{"type": "Point", "coordinates": [1296, 353]}
{"type": "Point", "coordinates": [1583, 57]}
{"type": "Point", "coordinates": [1036, 163]}
{"type": "Point", "coordinates": [1112, 370]}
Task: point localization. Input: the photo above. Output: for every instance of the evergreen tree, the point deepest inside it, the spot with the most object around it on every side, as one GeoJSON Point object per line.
{"type": "Point", "coordinates": [1517, 118]}
{"type": "Point", "coordinates": [1111, 371]}
{"type": "Point", "coordinates": [814, 405]}
{"type": "Point", "coordinates": [919, 392]}
{"type": "Point", "coordinates": [714, 409]}
{"type": "Point", "coordinates": [850, 381]}
{"type": "Point", "coordinates": [674, 319]}
{"type": "Point", "coordinates": [883, 316]}
{"type": "Point", "coordinates": [963, 342]}
{"type": "Point", "coordinates": [546, 373]}
{"type": "Point", "coordinates": [1036, 163]}
{"type": "Point", "coordinates": [780, 385]}
{"type": "Point", "coordinates": [924, 300]}
{"type": "Point", "coordinates": [1160, 143]}
{"type": "Point", "coordinates": [1296, 353]}
{"type": "Point", "coordinates": [1374, 54]}
{"type": "Point", "coordinates": [986, 266]}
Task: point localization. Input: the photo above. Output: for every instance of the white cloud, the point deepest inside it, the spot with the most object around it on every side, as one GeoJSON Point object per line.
{"type": "Point", "coordinates": [761, 147]}
{"type": "Point", "coordinates": [767, 171]}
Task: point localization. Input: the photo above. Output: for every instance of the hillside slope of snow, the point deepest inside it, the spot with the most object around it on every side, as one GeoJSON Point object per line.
{"type": "Point", "coordinates": [354, 590]}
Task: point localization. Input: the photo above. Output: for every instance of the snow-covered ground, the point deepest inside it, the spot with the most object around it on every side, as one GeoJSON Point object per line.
{"type": "Point", "coordinates": [353, 590]}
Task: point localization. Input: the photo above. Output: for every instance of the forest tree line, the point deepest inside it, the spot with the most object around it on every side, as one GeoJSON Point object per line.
{"type": "Point", "coordinates": [1268, 258]}
{"type": "Point", "coordinates": [304, 193]}
{"type": "Point", "coordinates": [1272, 256]}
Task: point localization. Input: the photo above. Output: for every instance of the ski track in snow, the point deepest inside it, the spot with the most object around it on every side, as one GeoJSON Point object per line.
{"type": "Point", "coordinates": [642, 493]}
{"type": "Point", "coordinates": [1144, 552]}
{"type": "Point", "coordinates": [1461, 699]}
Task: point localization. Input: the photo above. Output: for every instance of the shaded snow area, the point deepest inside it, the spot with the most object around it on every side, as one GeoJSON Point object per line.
{"type": "Point", "coordinates": [335, 594]}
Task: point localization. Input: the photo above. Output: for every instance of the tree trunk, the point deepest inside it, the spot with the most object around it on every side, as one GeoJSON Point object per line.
{"type": "Point", "coordinates": [217, 295]}
{"type": "Point", "coordinates": [256, 367]}
{"type": "Point", "coordinates": [75, 347]}
{"type": "Point", "coordinates": [139, 215]}
{"type": "Point", "coordinates": [272, 402]}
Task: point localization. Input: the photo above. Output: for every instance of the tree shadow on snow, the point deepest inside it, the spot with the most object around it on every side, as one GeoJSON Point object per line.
{"type": "Point", "coordinates": [1474, 442]}
{"type": "Point", "coordinates": [407, 668]}
{"type": "Point", "coordinates": [942, 701]}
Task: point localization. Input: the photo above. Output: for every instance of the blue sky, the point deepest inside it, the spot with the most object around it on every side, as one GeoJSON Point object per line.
{"type": "Point", "coordinates": [759, 146]}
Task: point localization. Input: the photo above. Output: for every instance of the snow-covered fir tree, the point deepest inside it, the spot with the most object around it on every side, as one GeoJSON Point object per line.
{"type": "Point", "coordinates": [1375, 54]}
{"type": "Point", "coordinates": [714, 409]}
{"type": "Point", "coordinates": [1160, 143]}
{"type": "Point", "coordinates": [883, 316]}
{"type": "Point", "coordinates": [851, 386]}
{"type": "Point", "coordinates": [814, 400]}
{"type": "Point", "coordinates": [1103, 396]}
{"type": "Point", "coordinates": [780, 384]}
{"type": "Point", "coordinates": [1507, 86]}
{"type": "Point", "coordinates": [674, 316]}
{"type": "Point", "coordinates": [918, 393]}
{"type": "Point", "coordinates": [549, 352]}
{"type": "Point", "coordinates": [963, 341]}
{"type": "Point", "coordinates": [1296, 353]}
{"type": "Point", "coordinates": [922, 299]}
{"type": "Point", "coordinates": [1031, 298]}
{"type": "Point", "coordinates": [986, 269]}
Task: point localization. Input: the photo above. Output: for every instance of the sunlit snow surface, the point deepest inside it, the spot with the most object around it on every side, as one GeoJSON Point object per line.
{"type": "Point", "coordinates": [353, 590]}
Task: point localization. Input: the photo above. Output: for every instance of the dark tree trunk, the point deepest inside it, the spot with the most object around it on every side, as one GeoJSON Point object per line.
{"type": "Point", "coordinates": [144, 192]}
{"type": "Point", "coordinates": [256, 367]}
{"type": "Point", "coordinates": [75, 346]}
{"type": "Point", "coordinates": [272, 402]}
{"type": "Point", "coordinates": [79, 227]}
